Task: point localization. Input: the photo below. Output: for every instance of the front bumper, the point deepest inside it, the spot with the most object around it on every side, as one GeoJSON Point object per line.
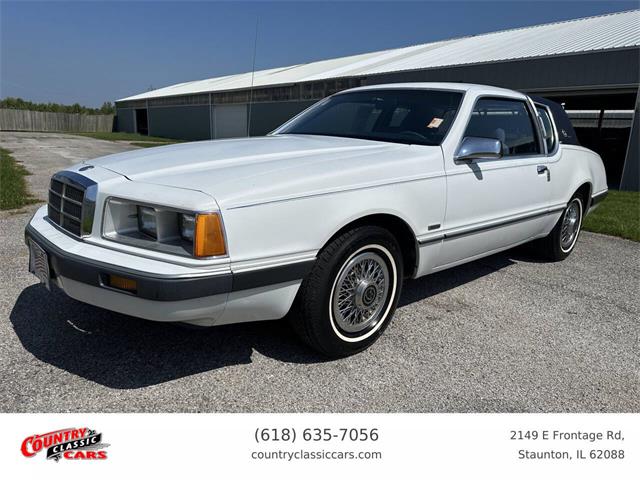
{"type": "Point", "coordinates": [163, 289]}
{"type": "Point", "coordinates": [165, 292]}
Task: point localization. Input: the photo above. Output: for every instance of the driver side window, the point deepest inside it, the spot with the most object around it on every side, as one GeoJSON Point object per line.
{"type": "Point", "coordinates": [508, 121]}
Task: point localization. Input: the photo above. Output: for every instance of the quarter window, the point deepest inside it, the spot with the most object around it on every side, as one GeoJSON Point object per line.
{"type": "Point", "coordinates": [508, 121]}
{"type": "Point", "coordinates": [547, 133]}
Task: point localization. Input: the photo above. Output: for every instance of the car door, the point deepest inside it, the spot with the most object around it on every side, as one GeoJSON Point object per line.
{"type": "Point", "coordinates": [551, 134]}
{"type": "Point", "coordinates": [495, 203]}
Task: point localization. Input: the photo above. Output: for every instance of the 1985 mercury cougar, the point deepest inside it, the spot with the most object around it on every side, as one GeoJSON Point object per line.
{"type": "Point", "coordinates": [323, 218]}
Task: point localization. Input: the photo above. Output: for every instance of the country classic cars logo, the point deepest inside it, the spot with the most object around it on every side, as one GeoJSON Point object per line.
{"type": "Point", "coordinates": [70, 443]}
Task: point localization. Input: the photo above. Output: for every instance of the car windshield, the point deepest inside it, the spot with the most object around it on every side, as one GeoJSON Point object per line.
{"type": "Point", "coordinates": [402, 116]}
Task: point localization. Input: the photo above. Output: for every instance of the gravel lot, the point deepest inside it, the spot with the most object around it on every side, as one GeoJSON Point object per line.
{"type": "Point", "coordinates": [504, 334]}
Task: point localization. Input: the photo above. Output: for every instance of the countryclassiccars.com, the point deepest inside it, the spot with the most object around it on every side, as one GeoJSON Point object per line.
{"type": "Point", "coordinates": [322, 219]}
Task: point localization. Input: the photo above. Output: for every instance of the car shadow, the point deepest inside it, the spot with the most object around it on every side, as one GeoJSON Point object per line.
{"type": "Point", "coordinates": [439, 282]}
{"type": "Point", "coordinates": [124, 352]}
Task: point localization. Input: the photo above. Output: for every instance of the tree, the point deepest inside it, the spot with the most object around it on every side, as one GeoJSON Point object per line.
{"type": "Point", "coordinates": [107, 108]}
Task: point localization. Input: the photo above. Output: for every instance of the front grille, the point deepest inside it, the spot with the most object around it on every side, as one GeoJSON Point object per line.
{"type": "Point", "coordinates": [65, 205]}
{"type": "Point", "coordinates": [56, 186]}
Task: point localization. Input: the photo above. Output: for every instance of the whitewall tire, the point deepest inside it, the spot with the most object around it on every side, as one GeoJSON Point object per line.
{"type": "Point", "coordinates": [351, 294]}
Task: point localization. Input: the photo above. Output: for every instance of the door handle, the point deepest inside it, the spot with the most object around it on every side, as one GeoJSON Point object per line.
{"type": "Point", "coordinates": [543, 169]}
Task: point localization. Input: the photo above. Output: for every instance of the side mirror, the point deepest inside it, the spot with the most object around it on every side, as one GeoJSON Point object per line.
{"type": "Point", "coordinates": [473, 148]}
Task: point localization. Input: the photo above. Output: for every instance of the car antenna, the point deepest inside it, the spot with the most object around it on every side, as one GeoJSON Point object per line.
{"type": "Point", "coordinates": [253, 72]}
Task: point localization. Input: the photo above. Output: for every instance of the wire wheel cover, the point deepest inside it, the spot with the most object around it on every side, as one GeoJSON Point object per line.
{"type": "Point", "coordinates": [361, 292]}
{"type": "Point", "coordinates": [570, 225]}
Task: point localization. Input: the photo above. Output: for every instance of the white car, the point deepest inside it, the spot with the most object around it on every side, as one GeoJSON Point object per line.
{"type": "Point", "coordinates": [324, 217]}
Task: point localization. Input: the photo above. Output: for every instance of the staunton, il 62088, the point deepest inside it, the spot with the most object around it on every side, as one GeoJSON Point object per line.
{"type": "Point", "coordinates": [322, 219]}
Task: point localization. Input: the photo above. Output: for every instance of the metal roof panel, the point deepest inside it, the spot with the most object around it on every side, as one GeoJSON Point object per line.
{"type": "Point", "coordinates": [605, 32]}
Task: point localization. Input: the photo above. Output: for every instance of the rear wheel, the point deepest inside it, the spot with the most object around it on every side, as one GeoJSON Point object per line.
{"type": "Point", "coordinates": [351, 293]}
{"type": "Point", "coordinates": [561, 241]}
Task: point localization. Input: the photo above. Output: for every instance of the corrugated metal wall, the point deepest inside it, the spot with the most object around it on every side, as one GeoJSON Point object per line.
{"type": "Point", "coordinates": [202, 122]}
{"type": "Point", "coordinates": [265, 117]}
{"type": "Point", "coordinates": [615, 70]}
{"type": "Point", "coordinates": [584, 71]}
{"type": "Point", "coordinates": [186, 122]}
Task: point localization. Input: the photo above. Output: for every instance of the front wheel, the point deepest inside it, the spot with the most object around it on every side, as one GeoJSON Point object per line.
{"type": "Point", "coordinates": [351, 293]}
{"type": "Point", "coordinates": [561, 241]}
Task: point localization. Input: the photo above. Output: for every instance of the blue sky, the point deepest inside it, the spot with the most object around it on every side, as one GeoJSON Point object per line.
{"type": "Point", "coordinates": [90, 52]}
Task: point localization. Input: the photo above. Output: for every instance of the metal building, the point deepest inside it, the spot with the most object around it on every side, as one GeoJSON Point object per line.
{"type": "Point", "coordinates": [590, 65]}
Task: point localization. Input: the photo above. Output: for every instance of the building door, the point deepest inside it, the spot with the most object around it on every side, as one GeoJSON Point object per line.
{"type": "Point", "coordinates": [229, 121]}
{"type": "Point", "coordinates": [142, 121]}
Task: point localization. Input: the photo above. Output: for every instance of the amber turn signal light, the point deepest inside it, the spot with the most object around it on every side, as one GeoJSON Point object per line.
{"type": "Point", "coordinates": [209, 238]}
{"type": "Point", "coordinates": [122, 283]}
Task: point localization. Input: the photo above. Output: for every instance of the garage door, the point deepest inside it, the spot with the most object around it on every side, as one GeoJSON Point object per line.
{"type": "Point", "coordinates": [229, 121]}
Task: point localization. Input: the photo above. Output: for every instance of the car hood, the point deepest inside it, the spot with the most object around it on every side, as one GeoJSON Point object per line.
{"type": "Point", "coordinates": [254, 170]}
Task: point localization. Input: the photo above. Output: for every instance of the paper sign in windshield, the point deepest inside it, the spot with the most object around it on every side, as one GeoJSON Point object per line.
{"type": "Point", "coordinates": [435, 122]}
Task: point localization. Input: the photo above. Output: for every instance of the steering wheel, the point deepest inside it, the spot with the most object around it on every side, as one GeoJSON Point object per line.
{"type": "Point", "coordinates": [414, 134]}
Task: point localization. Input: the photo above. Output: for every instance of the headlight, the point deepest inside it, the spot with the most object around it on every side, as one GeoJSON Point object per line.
{"type": "Point", "coordinates": [147, 221]}
{"type": "Point", "coordinates": [187, 226]}
{"type": "Point", "coordinates": [195, 234]}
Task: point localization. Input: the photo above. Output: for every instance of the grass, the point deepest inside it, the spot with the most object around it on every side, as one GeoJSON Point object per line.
{"type": "Point", "coordinates": [149, 144]}
{"type": "Point", "coordinates": [618, 215]}
{"type": "Point", "coordinates": [13, 186]}
{"type": "Point", "coordinates": [129, 137]}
